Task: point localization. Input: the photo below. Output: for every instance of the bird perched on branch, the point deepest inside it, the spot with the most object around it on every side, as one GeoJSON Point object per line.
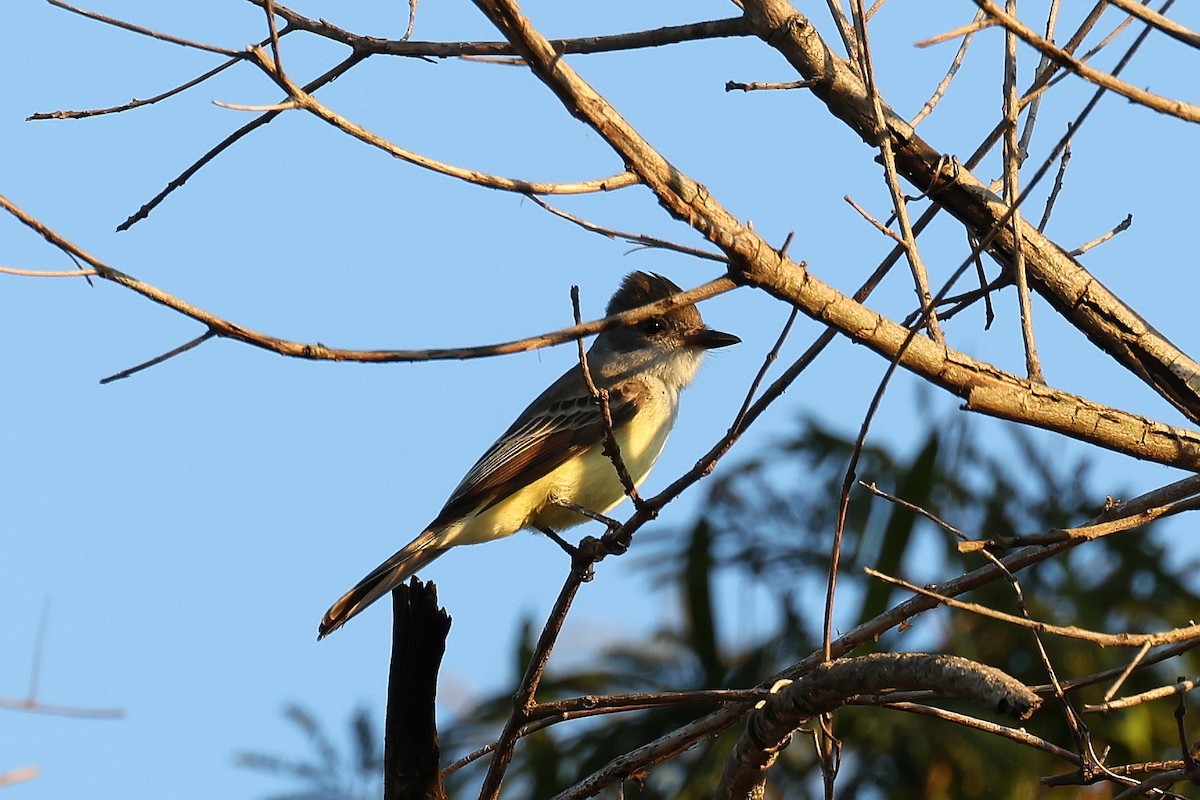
{"type": "Point", "coordinates": [550, 465]}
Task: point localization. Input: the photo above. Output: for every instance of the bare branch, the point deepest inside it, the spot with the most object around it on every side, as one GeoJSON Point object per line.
{"type": "Point", "coordinates": [965, 31]}
{"type": "Point", "coordinates": [1070, 631]}
{"type": "Point", "coordinates": [879, 226]}
{"type": "Point", "coordinates": [330, 75]}
{"type": "Point", "coordinates": [1121, 226]}
{"type": "Point", "coordinates": [319, 352]}
{"type": "Point", "coordinates": [829, 686]}
{"type": "Point", "coordinates": [136, 103]}
{"type": "Point", "coordinates": [306, 101]}
{"type": "Point", "coordinates": [1180, 687]}
{"type": "Point", "coordinates": [58, 273]}
{"type": "Point", "coordinates": [632, 238]}
{"type": "Point", "coordinates": [18, 775]}
{"type": "Point", "coordinates": [1130, 668]}
{"type": "Point", "coordinates": [757, 87]}
{"type": "Point", "coordinates": [955, 64]}
{"type": "Point", "coordinates": [636, 702]}
{"type": "Point", "coordinates": [1013, 156]}
{"type": "Point", "coordinates": [1018, 735]}
{"type": "Point", "coordinates": [999, 394]}
{"type": "Point", "coordinates": [669, 745]}
{"type": "Point", "coordinates": [1176, 108]}
{"type": "Point", "coordinates": [183, 348]}
{"type": "Point", "coordinates": [675, 34]}
{"type": "Point", "coordinates": [612, 448]}
{"type": "Point", "coordinates": [129, 26]}
{"type": "Point", "coordinates": [1158, 21]}
{"type": "Point", "coordinates": [1074, 293]}
{"type": "Point", "coordinates": [523, 702]}
{"type": "Point", "coordinates": [1058, 185]}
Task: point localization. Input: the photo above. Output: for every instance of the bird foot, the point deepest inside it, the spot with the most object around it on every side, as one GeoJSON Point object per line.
{"type": "Point", "coordinates": [582, 557]}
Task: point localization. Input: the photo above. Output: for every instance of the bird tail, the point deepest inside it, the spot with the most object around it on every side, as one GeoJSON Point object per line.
{"type": "Point", "coordinates": [387, 576]}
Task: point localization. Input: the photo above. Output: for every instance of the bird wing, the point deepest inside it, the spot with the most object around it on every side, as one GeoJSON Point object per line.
{"type": "Point", "coordinates": [554, 428]}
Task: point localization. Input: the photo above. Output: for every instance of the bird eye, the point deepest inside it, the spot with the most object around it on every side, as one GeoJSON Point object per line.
{"type": "Point", "coordinates": [651, 326]}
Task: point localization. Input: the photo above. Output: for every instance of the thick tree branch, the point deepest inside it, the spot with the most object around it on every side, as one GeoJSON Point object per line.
{"type": "Point", "coordinates": [830, 686]}
{"type": "Point", "coordinates": [1064, 283]}
{"type": "Point", "coordinates": [985, 388]}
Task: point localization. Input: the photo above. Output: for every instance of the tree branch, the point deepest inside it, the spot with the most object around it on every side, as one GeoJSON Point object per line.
{"type": "Point", "coordinates": [1176, 108]}
{"type": "Point", "coordinates": [319, 352]}
{"type": "Point", "coordinates": [830, 686]}
{"type": "Point", "coordinates": [674, 34]}
{"type": "Point", "coordinates": [1073, 292]}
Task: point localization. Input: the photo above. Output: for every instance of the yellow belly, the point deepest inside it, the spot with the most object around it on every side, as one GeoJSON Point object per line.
{"type": "Point", "coordinates": [589, 480]}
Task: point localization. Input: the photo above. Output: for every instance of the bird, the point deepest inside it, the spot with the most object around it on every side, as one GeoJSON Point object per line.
{"type": "Point", "coordinates": [550, 465]}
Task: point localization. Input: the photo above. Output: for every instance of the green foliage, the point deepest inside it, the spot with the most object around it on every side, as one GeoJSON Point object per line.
{"type": "Point", "coordinates": [330, 774]}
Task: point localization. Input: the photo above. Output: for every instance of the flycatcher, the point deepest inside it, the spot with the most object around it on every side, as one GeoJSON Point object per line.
{"type": "Point", "coordinates": [552, 457]}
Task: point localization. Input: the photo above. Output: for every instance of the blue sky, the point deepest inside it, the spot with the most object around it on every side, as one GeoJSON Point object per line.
{"type": "Point", "coordinates": [189, 525]}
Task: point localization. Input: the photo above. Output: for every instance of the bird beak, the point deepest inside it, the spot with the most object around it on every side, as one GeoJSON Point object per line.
{"type": "Point", "coordinates": [708, 339]}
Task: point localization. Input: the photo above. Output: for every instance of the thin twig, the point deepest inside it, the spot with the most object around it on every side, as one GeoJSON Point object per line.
{"type": "Point", "coordinates": [633, 238]}
{"type": "Point", "coordinates": [269, 9]}
{"type": "Point", "coordinates": [1157, 657]}
{"type": "Point", "coordinates": [966, 31]}
{"type": "Point", "coordinates": [731, 86]}
{"type": "Point", "coordinates": [18, 775]}
{"type": "Point", "coordinates": [639, 701]}
{"type": "Point", "coordinates": [332, 74]}
{"type": "Point", "coordinates": [129, 26]}
{"type": "Point", "coordinates": [1049, 75]}
{"type": "Point", "coordinates": [851, 468]}
{"type": "Point", "coordinates": [1180, 687]}
{"type": "Point", "coordinates": [879, 226]}
{"type": "Point", "coordinates": [955, 64]}
{"type": "Point", "coordinates": [1121, 226]}
{"type": "Point", "coordinates": [1031, 110]}
{"type": "Point", "coordinates": [59, 273]}
{"type": "Point", "coordinates": [544, 715]}
{"type": "Point", "coordinates": [1176, 108]}
{"type": "Point", "coordinates": [183, 348]}
{"type": "Point", "coordinates": [320, 352]}
{"type": "Point", "coordinates": [136, 103]}
{"type": "Point", "coordinates": [1133, 664]}
{"type": "Point", "coordinates": [1187, 632]}
{"type": "Point", "coordinates": [412, 21]}
{"type": "Point", "coordinates": [1052, 198]}
{"type": "Point", "coordinates": [1018, 735]}
{"type": "Point", "coordinates": [305, 100]}
{"type": "Point", "coordinates": [1106, 526]}
{"type": "Point", "coordinates": [844, 28]}
{"type": "Point", "coordinates": [874, 9]}
{"type": "Point", "coordinates": [286, 105]}
{"type": "Point", "coordinates": [892, 180]}
{"type": "Point", "coordinates": [31, 702]}
{"type": "Point", "coordinates": [770, 358]}
{"type": "Point", "coordinates": [1013, 157]}
{"type": "Point", "coordinates": [612, 448]}
{"type": "Point", "coordinates": [913, 507]}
